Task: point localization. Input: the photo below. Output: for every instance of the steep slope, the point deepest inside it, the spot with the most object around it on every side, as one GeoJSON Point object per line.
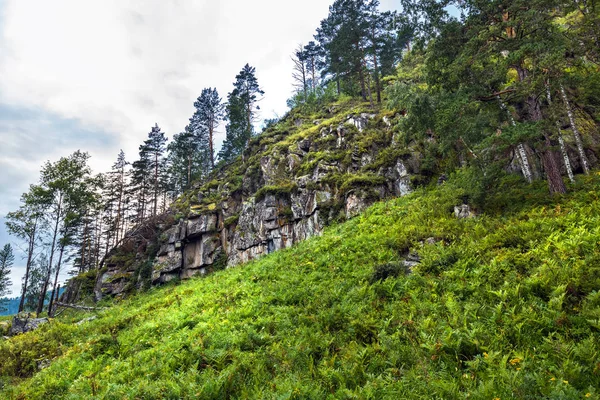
{"type": "Point", "coordinates": [301, 174]}
{"type": "Point", "coordinates": [504, 305]}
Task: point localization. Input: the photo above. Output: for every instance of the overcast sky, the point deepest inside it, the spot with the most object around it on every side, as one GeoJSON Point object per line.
{"type": "Point", "coordinates": [96, 75]}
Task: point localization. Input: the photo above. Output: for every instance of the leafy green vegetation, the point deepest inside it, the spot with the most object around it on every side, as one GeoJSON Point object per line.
{"type": "Point", "coordinates": [504, 305]}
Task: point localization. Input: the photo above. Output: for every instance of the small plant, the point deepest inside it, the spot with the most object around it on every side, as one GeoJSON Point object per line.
{"type": "Point", "coordinates": [388, 270]}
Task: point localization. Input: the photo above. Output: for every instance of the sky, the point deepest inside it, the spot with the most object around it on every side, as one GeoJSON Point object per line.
{"type": "Point", "coordinates": [96, 75]}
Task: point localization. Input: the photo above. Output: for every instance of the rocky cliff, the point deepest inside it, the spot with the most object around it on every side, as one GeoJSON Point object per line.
{"type": "Point", "coordinates": [297, 177]}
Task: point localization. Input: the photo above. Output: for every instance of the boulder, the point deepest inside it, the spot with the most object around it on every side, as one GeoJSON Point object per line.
{"type": "Point", "coordinates": [23, 323]}
{"type": "Point", "coordinates": [204, 224]}
{"type": "Point", "coordinates": [463, 212]}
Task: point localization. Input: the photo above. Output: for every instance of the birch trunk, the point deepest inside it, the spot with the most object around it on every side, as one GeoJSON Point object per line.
{"type": "Point", "coordinates": [584, 161]}
{"type": "Point", "coordinates": [521, 153]}
{"type": "Point", "coordinates": [561, 141]}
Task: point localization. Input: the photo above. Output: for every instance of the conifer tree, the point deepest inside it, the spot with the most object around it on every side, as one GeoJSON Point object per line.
{"type": "Point", "coordinates": [188, 159]}
{"type": "Point", "coordinates": [210, 110]}
{"type": "Point", "coordinates": [300, 71]}
{"type": "Point", "coordinates": [7, 259]}
{"type": "Point", "coordinates": [241, 113]}
{"type": "Point", "coordinates": [311, 54]}
{"type": "Point", "coordinates": [154, 148]}
{"type": "Point", "coordinates": [140, 185]}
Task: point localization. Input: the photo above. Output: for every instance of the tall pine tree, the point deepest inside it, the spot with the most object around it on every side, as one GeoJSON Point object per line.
{"type": "Point", "coordinates": [241, 112]}
{"type": "Point", "coordinates": [210, 111]}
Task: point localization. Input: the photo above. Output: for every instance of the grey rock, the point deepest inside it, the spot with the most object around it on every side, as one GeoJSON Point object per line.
{"type": "Point", "coordinates": [44, 364]}
{"type": "Point", "coordinates": [304, 145]}
{"type": "Point", "coordinates": [86, 320]}
{"type": "Point", "coordinates": [463, 212]}
{"type": "Point", "coordinates": [430, 241]}
{"type": "Point", "coordinates": [354, 205]}
{"type": "Point", "coordinates": [23, 323]}
{"type": "Point", "coordinates": [203, 224]}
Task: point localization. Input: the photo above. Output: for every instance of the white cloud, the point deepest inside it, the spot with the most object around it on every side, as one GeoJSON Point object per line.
{"type": "Point", "coordinates": [97, 74]}
{"type": "Point", "coordinates": [121, 65]}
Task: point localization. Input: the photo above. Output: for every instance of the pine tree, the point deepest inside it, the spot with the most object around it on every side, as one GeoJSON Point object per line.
{"type": "Point", "coordinates": [300, 72]}
{"type": "Point", "coordinates": [188, 160]}
{"type": "Point", "coordinates": [387, 36]}
{"type": "Point", "coordinates": [241, 113]}
{"type": "Point", "coordinates": [140, 185]}
{"type": "Point", "coordinates": [210, 111]}
{"type": "Point", "coordinates": [343, 37]}
{"type": "Point", "coordinates": [154, 148]}
{"type": "Point", "coordinates": [7, 259]}
{"type": "Point", "coordinates": [311, 54]}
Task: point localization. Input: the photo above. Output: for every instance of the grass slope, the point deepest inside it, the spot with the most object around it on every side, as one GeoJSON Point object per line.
{"type": "Point", "coordinates": [503, 306]}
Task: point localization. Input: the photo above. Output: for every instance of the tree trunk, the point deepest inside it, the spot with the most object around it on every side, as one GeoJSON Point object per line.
{"type": "Point", "coordinates": [555, 181]}
{"type": "Point", "coordinates": [155, 183]}
{"type": "Point", "coordinates": [211, 130]}
{"type": "Point", "coordinates": [30, 250]}
{"type": "Point", "coordinates": [314, 81]}
{"type": "Point", "coordinates": [521, 153]}
{"type": "Point", "coordinates": [376, 66]}
{"type": "Point", "coordinates": [40, 306]}
{"type": "Point", "coordinates": [369, 91]}
{"type": "Point", "coordinates": [584, 161]}
{"type": "Point", "coordinates": [62, 251]}
{"type": "Point", "coordinates": [561, 141]}
{"type": "Point", "coordinates": [363, 91]}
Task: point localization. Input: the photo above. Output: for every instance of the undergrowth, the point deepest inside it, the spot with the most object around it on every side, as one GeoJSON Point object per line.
{"type": "Point", "coordinates": [505, 305]}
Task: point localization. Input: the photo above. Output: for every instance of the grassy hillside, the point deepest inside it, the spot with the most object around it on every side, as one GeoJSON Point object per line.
{"type": "Point", "coordinates": [505, 305]}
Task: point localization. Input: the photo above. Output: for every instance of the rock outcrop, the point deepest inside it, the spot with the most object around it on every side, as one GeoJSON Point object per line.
{"type": "Point", "coordinates": [23, 323]}
{"type": "Point", "coordinates": [289, 184]}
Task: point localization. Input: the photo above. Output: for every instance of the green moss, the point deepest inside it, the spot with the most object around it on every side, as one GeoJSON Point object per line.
{"type": "Point", "coordinates": [346, 182]}
{"type": "Point", "coordinates": [231, 220]}
{"type": "Point", "coordinates": [277, 191]}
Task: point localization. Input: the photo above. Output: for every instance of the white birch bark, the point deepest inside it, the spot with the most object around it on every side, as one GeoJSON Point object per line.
{"type": "Point", "coordinates": [521, 153]}
{"type": "Point", "coordinates": [578, 141]}
{"type": "Point", "coordinates": [561, 141]}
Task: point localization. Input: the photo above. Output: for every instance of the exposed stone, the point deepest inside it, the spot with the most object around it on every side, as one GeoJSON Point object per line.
{"type": "Point", "coordinates": [204, 224]}
{"type": "Point", "coordinates": [86, 320]}
{"type": "Point", "coordinates": [23, 323]}
{"type": "Point", "coordinates": [294, 162]}
{"type": "Point", "coordinates": [354, 205]}
{"type": "Point", "coordinates": [44, 364]}
{"type": "Point", "coordinates": [442, 179]}
{"type": "Point", "coordinates": [238, 227]}
{"type": "Point", "coordinates": [430, 241]}
{"type": "Point", "coordinates": [304, 145]}
{"type": "Point", "coordinates": [298, 122]}
{"type": "Point", "coordinates": [463, 212]}
{"type": "Point", "coordinates": [387, 122]}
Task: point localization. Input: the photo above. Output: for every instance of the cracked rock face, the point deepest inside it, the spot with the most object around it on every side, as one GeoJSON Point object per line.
{"type": "Point", "coordinates": [301, 193]}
